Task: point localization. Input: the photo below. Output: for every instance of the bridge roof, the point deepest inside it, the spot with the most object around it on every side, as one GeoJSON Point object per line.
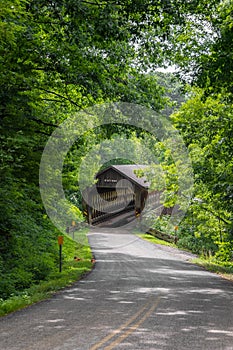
{"type": "Point", "coordinates": [128, 171]}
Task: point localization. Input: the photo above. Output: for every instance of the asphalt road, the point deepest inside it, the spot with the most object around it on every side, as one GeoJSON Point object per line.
{"type": "Point", "coordinates": [139, 296]}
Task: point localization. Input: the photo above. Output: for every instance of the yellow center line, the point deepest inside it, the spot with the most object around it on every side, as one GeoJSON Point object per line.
{"type": "Point", "coordinates": [133, 318]}
{"type": "Point", "coordinates": [132, 327]}
{"type": "Point", "coordinates": [117, 331]}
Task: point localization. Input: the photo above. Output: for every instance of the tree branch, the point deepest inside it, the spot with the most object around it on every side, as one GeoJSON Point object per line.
{"type": "Point", "coordinates": [217, 216]}
{"type": "Point", "coordinates": [39, 121]}
{"type": "Point", "coordinates": [42, 132]}
{"type": "Point", "coordinates": [61, 96]}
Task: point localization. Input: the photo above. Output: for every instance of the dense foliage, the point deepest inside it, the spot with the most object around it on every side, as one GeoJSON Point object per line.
{"type": "Point", "coordinates": [57, 57]}
{"type": "Point", "coordinates": [206, 122]}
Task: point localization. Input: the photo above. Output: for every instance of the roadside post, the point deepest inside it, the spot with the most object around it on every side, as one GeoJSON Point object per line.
{"type": "Point", "coordinates": [60, 240]}
{"type": "Point", "coordinates": [73, 224]}
{"type": "Point", "coordinates": [176, 237]}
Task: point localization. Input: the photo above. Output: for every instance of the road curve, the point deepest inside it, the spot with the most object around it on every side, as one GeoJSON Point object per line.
{"type": "Point", "coordinates": [139, 296]}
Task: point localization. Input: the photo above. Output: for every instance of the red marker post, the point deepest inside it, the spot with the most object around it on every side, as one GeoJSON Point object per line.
{"type": "Point", "coordinates": [176, 238]}
{"type": "Point", "coordinates": [60, 240]}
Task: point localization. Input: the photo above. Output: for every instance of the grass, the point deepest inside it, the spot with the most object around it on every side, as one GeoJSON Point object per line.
{"type": "Point", "coordinates": [222, 269]}
{"type": "Point", "coordinates": [155, 240]}
{"type": "Point", "coordinates": [72, 271]}
{"type": "Point", "coordinates": [225, 270]}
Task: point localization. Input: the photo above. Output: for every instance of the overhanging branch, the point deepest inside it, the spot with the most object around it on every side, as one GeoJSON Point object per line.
{"type": "Point", "coordinates": [61, 96]}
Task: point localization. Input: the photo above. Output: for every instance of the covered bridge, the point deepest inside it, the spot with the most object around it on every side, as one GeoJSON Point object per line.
{"type": "Point", "coordinates": [117, 189]}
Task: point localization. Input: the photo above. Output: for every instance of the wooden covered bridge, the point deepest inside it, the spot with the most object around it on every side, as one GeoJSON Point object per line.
{"type": "Point", "coordinates": [118, 189]}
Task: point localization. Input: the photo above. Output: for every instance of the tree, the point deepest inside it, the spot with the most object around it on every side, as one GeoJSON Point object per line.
{"type": "Point", "coordinates": [206, 125]}
{"type": "Point", "coordinates": [215, 73]}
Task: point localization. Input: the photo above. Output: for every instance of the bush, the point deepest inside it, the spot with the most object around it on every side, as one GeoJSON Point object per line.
{"type": "Point", "coordinates": [7, 286]}
{"type": "Point", "coordinates": [40, 266]}
{"type": "Point", "coordinates": [21, 278]}
{"type": "Point", "coordinates": [225, 252]}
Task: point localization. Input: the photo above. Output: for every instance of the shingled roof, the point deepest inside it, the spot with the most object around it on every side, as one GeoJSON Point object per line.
{"type": "Point", "coordinates": [128, 171]}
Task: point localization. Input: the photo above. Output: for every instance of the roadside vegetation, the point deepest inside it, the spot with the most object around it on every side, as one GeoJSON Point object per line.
{"type": "Point", "coordinates": [77, 261]}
